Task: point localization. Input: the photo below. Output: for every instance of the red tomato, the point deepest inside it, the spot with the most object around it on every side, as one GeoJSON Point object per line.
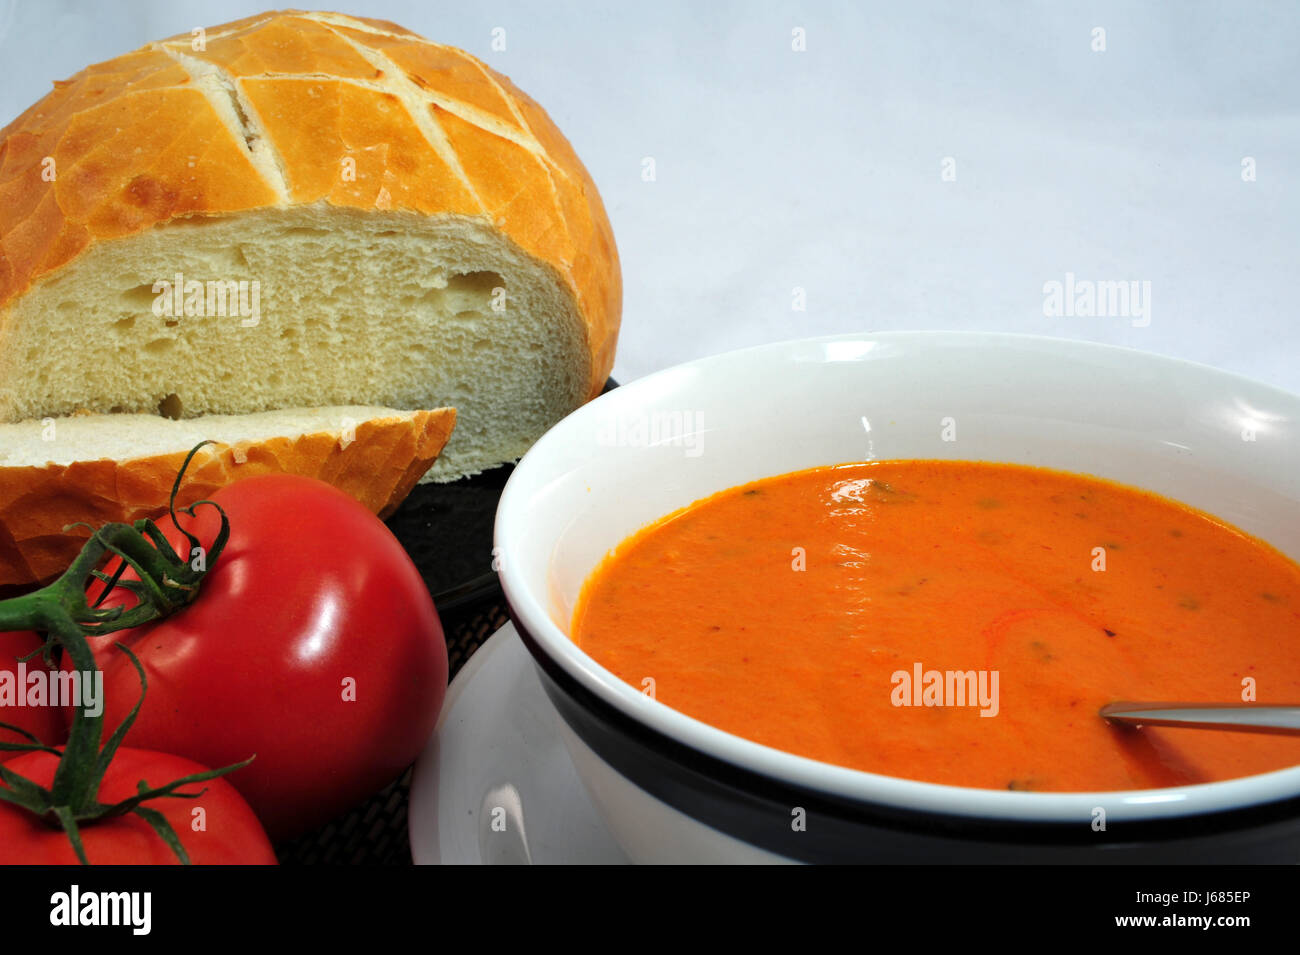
{"type": "Point", "coordinates": [313, 645]}
{"type": "Point", "coordinates": [225, 832]}
{"type": "Point", "coordinates": [44, 722]}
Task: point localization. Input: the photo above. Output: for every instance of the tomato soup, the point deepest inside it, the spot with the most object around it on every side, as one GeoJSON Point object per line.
{"type": "Point", "coordinates": [955, 622]}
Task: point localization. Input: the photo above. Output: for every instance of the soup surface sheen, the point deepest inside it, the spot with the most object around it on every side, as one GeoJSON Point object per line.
{"type": "Point", "coordinates": [787, 610]}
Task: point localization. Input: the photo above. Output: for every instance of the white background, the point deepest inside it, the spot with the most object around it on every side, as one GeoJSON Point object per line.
{"type": "Point", "coordinates": [821, 169]}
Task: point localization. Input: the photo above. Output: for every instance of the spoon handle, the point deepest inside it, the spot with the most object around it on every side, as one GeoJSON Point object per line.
{"type": "Point", "coordinates": [1240, 717]}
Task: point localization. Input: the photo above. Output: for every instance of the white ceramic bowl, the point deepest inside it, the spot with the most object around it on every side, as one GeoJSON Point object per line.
{"type": "Point", "coordinates": [674, 789]}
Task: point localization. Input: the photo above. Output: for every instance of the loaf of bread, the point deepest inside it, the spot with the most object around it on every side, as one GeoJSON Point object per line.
{"type": "Point", "coordinates": [301, 210]}
{"type": "Point", "coordinates": [100, 468]}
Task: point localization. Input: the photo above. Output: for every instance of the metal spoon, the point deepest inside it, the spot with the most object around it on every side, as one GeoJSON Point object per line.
{"type": "Point", "coordinates": [1241, 717]}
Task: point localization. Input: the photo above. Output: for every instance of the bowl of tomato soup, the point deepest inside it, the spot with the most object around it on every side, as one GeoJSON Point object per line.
{"type": "Point", "coordinates": [860, 599]}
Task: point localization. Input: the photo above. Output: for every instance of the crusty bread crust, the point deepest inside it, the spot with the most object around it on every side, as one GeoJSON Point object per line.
{"type": "Point", "coordinates": [264, 115]}
{"type": "Point", "coordinates": [378, 466]}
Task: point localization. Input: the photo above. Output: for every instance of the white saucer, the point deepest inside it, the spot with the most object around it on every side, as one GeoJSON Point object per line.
{"type": "Point", "coordinates": [496, 756]}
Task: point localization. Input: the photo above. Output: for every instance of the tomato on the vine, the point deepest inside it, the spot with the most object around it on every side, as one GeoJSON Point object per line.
{"type": "Point", "coordinates": [313, 644]}
{"type": "Point", "coordinates": [215, 828]}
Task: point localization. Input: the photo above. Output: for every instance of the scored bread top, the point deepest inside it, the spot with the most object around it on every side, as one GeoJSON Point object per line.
{"type": "Point", "coordinates": [292, 108]}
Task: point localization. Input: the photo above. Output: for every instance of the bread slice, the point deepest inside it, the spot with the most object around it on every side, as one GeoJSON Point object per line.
{"type": "Point", "coordinates": [100, 468]}
{"type": "Point", "coordinates": [302, 209]}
